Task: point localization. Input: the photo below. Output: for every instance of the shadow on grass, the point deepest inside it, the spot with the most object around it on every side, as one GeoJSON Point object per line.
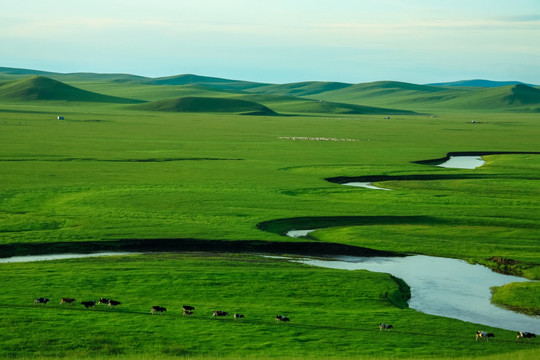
{"type": "Point", "coordinates": [282, 226]}
{"type": "Point", "coordinates": [306, 248]}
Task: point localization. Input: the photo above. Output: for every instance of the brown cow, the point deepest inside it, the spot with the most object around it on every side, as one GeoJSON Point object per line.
{"type": "Point", "coordinates": [67, 301]}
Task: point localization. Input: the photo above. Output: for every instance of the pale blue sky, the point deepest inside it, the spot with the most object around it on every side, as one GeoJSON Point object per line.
{"type": "Point", "coordinates": [278, 41]}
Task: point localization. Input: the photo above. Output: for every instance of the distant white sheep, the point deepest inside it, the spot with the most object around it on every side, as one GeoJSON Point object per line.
{"type": "Point", "coordinates": [318, 138]}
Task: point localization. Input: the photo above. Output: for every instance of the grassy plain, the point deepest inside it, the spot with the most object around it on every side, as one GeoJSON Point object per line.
{"type": "Point", "coordinates": [110, 172]}
{"type": "Point", "coordinates": [329, 310]}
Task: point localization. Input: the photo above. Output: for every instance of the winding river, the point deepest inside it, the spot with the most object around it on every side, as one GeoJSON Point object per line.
{"type": "Point", "coordinates": [445, 287]}
{"type": "Point", "coordinates": [439, 286]}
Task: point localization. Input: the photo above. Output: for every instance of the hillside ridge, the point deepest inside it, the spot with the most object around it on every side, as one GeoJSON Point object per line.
{"type": "Point", "coordinates": [39, 87]}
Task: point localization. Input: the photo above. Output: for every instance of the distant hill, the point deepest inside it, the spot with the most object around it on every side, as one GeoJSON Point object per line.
{"type": "Point", "coordinates": [435, 98]}
{"type": "Point", "coordinates": [190, 79]}
{"type": "Point", "coordinates": [380, 97]}
{"type": "Point", "coordinates": [506, 97]}
{"type": "Point", "coordinates": [299, 89]}
{"type": "Point", "coordinates": [479, 83]}
{"type": "Point", "coordinates": [17, 71]}
{"type": "Point", "coordinates": [207, 104]}
{"type": "Point", "coordinates": [43, 88]}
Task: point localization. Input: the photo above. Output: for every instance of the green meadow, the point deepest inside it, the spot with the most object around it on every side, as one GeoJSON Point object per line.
{"type": "Point", "coordinates": [212, 170]}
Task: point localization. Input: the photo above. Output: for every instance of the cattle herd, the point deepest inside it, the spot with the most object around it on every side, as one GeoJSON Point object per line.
{"type": "Point", "coordinates": [188, 310]}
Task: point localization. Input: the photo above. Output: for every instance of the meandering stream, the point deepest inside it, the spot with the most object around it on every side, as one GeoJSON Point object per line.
{"type": "Point", "coordinates": [446, 287]}
{"type": "Point", "coordinates": [439, 286]}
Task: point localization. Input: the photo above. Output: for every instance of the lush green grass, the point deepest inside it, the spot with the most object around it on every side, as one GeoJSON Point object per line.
{"type": "Point", "coordinates": [518, 297]}
{"type": "Point", "coordinates": [109, 172]}
{"type": "Point", "coordinates": [329, 310]}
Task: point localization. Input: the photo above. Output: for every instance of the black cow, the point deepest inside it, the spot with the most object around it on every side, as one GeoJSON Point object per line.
{"type": "Point", "coordinates": [103, 301]}
{"type": "Point", "coordinates": [238, 316]}
{"type": "Point", "coordinates": [158, 309]}
{"type": "Point", "coordinates": [220, 313]}
{"type": "Point", "coordinates": [385, 326]}
{"type": "Point", "coordinates": [525, 335]}
{"type": "Point", "coordinates": [88, 304]}
{"type": "Point", "coordinates": [281, 318]}
{"type": "Point", "coordinates": [67, 301]}
{"type": "Point", "coordinates": [188, 308]}
{"type": "Point", "coordinates": [113, 303]}
{"type": "Point", "coordinates": [484, 335]}
{"type": "Point", "coordinates": [41, 301]}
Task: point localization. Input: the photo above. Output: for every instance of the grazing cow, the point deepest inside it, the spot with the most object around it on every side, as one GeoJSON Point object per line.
{"type": "Point", "coordinates": [188, 308]}
{"type": "Point", "coordinates": [281, 318]}
{"type": "Point", "coordinates": [187, 312]}
{"type": "Point", "coordinates": [525, 335]}
{"type": "Point", "coordinates": [103, 301]}
{"type": "Point", "coordinates": [88, 304]}
{"type": "Point", "coordinates": [41, 301]}
{"type": "Point", "coordinates": [385, 326]}
{"type": "Point", "coordinates": [219, 313]}
{"type": "Point", "coordinates": [158, 309]}
{"type": "Point", "coordinates": [484, 335]}
{"type": "Point", "coordinates": [67, 301]}
{"type": "Point", "coordinates": [113, 303]}
{"type": "Point", "coordinates": [238, 316]}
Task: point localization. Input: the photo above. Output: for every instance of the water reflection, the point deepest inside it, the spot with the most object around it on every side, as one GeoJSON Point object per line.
{"type": "Point", "coordinates": [463, 162]}
{"type": "Point", "coordinates": [446, 287]}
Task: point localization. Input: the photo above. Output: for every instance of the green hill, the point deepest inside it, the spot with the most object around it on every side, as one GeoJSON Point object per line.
{"type": "Point", "coordinates": [512, 97]}
{"type": "Point", "coordinates": [43, 88]}
{"type": "Point", "coordinates": [190, 79]}
{"type": "Point", "coordinates": [299, 89]}
{"type": "Point", "coordinates": [478, 83]}
{"type": "Point", "coordinates": [432, 98]}
{"type": "Point", "coordinates": [207, 104]}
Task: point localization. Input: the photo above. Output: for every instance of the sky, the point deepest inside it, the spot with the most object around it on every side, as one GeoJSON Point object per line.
{"type": "Point", "coordinates": [278, 41]}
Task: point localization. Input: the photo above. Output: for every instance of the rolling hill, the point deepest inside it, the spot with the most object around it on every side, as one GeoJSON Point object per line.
{"type": "Point", "coordinates": [436, 98]}
{"type": "Point", "coordinates": [479, 83]}
{"type": "Point", "coordinates": [213, 82]}
{"type": "Point", "coordinates": [207, 104]}
{"type": "Point", "coordinates": [380, 97]}
{"type": "Point", "coordinates": [43, 88]}
{"type": "Point", "coordinates": [299, 89]}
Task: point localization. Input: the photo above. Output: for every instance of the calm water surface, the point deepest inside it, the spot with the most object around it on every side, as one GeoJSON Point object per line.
{"type": "Point", "coordinates": [31, 258]}
{"type": "Point", "coordinates": [366, 185]}
{"type": "Point", "coordinates": [446, 287]}
{"type": "Point", "coordinates": [463, 162]}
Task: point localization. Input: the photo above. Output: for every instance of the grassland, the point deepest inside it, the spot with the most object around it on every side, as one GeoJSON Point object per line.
{"type": "Point", "coordinates": [328, 311]}
{"type": "Point", "coordinates": [114, 174]}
